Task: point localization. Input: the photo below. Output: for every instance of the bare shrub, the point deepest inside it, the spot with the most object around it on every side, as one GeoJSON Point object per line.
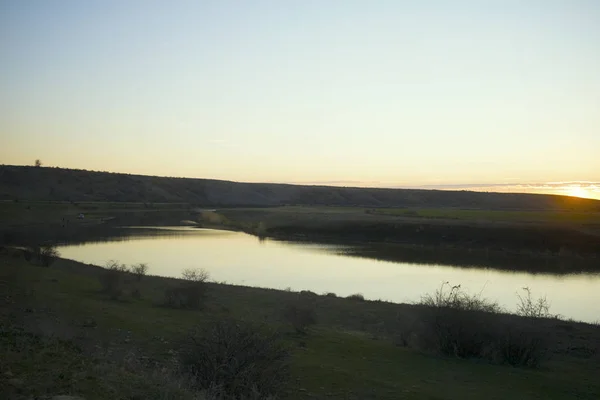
{"type": "Point", "coordinates": [195, 275]}
{"type": "Point", "coordinates": [115, 266]}
{"type": "Point", "coordinates": [111, 279]}
{"type": "Point", "coordinates": [189, 294]}
{"type": "Point", "coordinates": [467, 326]}
{"type": "Point", "coordinates": [533, 308]}
{"type": "Point", "coordinates": [454, 297]}
{"type": "Point", "coordinates": [139, 270]}
{"type": "Point", "coordinates": [236, 359]}
{"type": "Point", "coordinates": [300, 314]}
{"type": "Point", "coordinates": [41, 255]}
{"type": "Point", "coordinates": [48, 254]}
{"type": "Point", "coordinates": [357, 297]}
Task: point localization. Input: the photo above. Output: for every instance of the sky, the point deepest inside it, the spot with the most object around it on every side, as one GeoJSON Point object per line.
{"type": "Point", "coordinates": [477, 94]}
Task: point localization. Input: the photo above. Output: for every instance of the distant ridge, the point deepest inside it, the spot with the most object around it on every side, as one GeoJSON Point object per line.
{"type": "Point", "coordinates": [60, 184]}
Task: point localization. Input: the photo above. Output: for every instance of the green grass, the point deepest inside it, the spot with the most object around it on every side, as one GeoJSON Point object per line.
{"type": "Point", "coordinates": [339, 358]}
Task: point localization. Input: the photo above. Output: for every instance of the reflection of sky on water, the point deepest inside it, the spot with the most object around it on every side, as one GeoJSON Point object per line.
{"type": "Point", "coordinates": [239, 258]}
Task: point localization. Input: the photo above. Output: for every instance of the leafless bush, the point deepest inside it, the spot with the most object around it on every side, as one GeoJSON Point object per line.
{"type": "Point", "coordinates": [115, 266]}
{"type": "Point", "coordinates": [236, 359]}
{"type": "Point", "coordinates": [139, 270]}
{"type": "Point", "coordinates": [195, 275]}
{"type": "Point", "coordinates": [189, 294]}
{"type": "Point", "coordinates": [112, 278]}
{"type": "Point", "coordinates": [300, 314]}
{"type": "Point", "coordinates": [533, 308]}
{"type": "Point", "coordinates": [466, 326]}
{"type": "Point", "coordinates": [454, 297]}
{"type": "Point", "coordinates": [48, 254]}
{"type": "Point", "coordinates": [42, 255]}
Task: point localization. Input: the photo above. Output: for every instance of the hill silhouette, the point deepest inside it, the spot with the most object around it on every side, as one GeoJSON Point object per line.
{"type": "Point", "coordinates": [60, 184]}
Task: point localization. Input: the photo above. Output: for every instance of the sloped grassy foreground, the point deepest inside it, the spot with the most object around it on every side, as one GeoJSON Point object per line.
{"type": "Point", "coordinates": [67, 329]}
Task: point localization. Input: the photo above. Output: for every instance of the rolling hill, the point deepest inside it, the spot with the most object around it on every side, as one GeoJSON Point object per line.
{"type": "Point", "coordinates": [59, 184]}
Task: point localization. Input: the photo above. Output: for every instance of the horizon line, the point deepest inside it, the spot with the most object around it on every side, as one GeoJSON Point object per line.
{"type": "Point", "coordinates": [584, 184]}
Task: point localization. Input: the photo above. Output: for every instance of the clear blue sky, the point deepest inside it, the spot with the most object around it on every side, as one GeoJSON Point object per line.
{"type": "Point", "coordinates": [370, 92]}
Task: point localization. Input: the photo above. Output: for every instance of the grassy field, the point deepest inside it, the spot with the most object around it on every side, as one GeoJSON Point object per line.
{"type": "Point", "coordinates": [35, 212]}
{"type": "Point", "coordinates": [61, 335]}
{"type": "Point", "coordinates": [495, 215]}
{"type": "Point", "coordinates": [39, 211]}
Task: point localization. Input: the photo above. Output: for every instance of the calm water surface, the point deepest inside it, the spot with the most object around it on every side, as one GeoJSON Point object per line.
{"type": "Point", "coordinates": [243, 259]}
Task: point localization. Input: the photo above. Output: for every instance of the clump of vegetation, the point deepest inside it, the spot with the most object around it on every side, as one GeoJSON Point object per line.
{"type": "Point", "coordinates": [48, 255]}
{"type": "Point", "coordinates": [519, 347]}
{"type": "Point", "coordinates": [533, 308]}
{"type": "Point", "coordinates": [458, 324]}
{"type": "Point", "coordinates": [195, 275]}
{"type": "Point", "coordinates": [116, 275]}
{"type": "Point", "coordinates": [357, 297]}
{"type": "Point", "coordinates": [112, 279]}
{"type": "Point", "coordinates": [139, 270]}
{"type": "Point", "coordinates": [455, 298]}
{"type": "Point", "coordinates": [330, 294]}
{"type": "Point", "coordinates": [42, 255]}
{"type": "Point", "coordinates": [191, 293]}
{"type": "Point", "coordinates": [300, 314]}
{"type": "Point", "coordinates": [236, 360]}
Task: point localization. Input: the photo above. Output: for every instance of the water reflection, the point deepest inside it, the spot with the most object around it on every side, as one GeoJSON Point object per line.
{"type": "Point", "coordinates": [243, 259]}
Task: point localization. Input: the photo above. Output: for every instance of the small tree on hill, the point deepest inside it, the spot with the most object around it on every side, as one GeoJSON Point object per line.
{"type": "Point", "coordinates": [38, 163]}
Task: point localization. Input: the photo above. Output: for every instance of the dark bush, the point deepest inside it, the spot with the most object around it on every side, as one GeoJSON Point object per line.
{"type": "Point", "coordinates": [461, 325]}
{"type": "Point", "coordinates": [525, 347]}
{"type": "Point", "coordinates": [189, 294]}
{"type": "Point", "coordinates": [236, 359]}
{"type": "Point", "coordinates": [457, 333]}
{"type": "Point", "coordinates": [357, 297]}
{"type": "Point", "coordinates": [41, 255]}
{"type": "Point", "coordinates": [48, 254]}
{"type": "Point", "coordinates": [139, 270]}
{"type": "Point", "coordinates": [112, 279]}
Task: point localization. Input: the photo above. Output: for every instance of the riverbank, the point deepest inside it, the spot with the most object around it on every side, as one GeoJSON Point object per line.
{"type": "Point", "coordinates": [545, 242]}
{"type": "Point", "coordinates": [356, 350]}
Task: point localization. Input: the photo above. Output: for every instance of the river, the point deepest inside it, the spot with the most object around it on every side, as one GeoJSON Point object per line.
{"type": "Point", "coordinates": [242, 259]}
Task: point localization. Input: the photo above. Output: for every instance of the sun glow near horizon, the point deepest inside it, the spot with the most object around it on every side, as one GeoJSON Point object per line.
{"type": "Point", "coordinates": [578, 191]}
